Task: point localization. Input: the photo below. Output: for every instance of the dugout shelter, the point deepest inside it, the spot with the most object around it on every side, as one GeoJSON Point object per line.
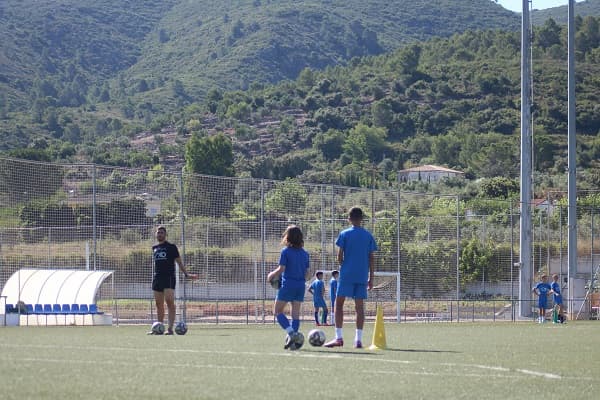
{"type": "Point", "coordinates": [57, 296]}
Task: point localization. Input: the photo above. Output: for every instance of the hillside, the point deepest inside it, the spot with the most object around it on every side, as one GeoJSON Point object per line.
{"type": "Point", "coordinates": [560, 14]}
{"type": "Point", "coordinates": [72, 53]}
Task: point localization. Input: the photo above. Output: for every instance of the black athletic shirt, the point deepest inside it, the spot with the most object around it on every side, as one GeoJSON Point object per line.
{"type": "Point", "coordinates": [164, 256]}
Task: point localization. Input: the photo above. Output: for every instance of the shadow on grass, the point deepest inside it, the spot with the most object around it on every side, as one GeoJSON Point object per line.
{"type": "Point", "coordinates": [421, 351]}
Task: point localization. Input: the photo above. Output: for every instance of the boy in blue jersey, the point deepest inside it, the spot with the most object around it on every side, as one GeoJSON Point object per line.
{"type": "Point", "coordinates": [557, 297]}
{"type": "Point", "coordinates": [317, 289]}
{"type": "Point", "coordinates": [542, 289]}
{"type": "Point", "coordinates": [333, 284]}
{"type": "Point", "coordinates": [356, 256]}
{"type": "Point", "coordinates": [292, 272]}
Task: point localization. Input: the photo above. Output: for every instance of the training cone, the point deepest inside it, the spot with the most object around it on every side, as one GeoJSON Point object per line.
{"type": "Point", "coordinates": [379, 333]}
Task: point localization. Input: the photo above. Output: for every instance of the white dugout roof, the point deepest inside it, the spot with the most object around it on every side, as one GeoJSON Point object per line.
{"type": "Point", "coordinates": [54, 286]}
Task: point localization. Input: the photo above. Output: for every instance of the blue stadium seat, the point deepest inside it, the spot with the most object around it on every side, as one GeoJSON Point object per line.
{"type": "Point", "coordinates": [9, 308]}
{"type": "Point", "coordinates": [83, 309]}
{"type": "Point", "coordinates": [29, 308]}
{"type": "Point", "coordinates": [38, 309]}
{"type": "Point", "coordinates": [94, 309]}
{"type": "Point", "coordinates": [56, 309]}
{"type": "Point", "coordinates": [75, 308]}
{"type": "Point", "coordinates": [47, 308]}
{"type": "Point", "coordinates": [66, 309]}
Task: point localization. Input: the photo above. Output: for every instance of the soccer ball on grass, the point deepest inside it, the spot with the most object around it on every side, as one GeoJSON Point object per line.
{"type": "Point", "coordinates": [158, 328]}
{"type": "Point", "coordinates": [181, 328]}
{"type": "Point", "coordinates": [294, 341]}
{"type": "Point", "coordinates": [316, 337]}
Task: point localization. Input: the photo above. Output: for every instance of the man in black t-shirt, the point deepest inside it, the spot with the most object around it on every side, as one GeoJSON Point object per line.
{"type": "Point", "coordinates": [165, 255]}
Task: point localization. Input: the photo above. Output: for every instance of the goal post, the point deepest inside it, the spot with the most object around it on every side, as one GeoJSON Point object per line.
{"type": "Point", "coordinates": [386, 288]}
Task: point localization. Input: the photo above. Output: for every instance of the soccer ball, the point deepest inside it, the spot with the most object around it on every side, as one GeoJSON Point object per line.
{"type": "Point", "coordinates": [275, 283]}
{"type": "Point", "coordinates": [181, 328]}
{"type": "Point", "coordinates": [316, 337]}
{"type": "Point", "coordinates": [158, 328]}
{"type": "Point", "coordinates": [295, 340]}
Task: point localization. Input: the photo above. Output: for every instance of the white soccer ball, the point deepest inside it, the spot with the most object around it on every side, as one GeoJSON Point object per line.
{"type": "Point", "coordinates": [296, 340]}
{"type": "Point", "coordinates": [181, 328]}
{"type": "Point", "coordinates": [316, 337]}
{"type": "Point", "coordinates": [158, 328]}
{"type": "Point", "coordinates": [275, 283]}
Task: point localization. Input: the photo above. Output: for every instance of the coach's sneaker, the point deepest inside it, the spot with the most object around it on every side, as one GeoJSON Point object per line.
{"type": "Point", "coordinates": [358, 344]}
{"type": "Point", "coordinates": [169, 331]}
{"type": "Point", "coordinates": [335, 343]}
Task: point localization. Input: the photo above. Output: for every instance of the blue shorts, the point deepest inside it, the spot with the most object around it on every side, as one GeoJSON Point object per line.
{"type": "Point", "coordinates": [319, 302]}
{"type": "Point", "coordinates": [353, 290]}
{"type": "Point", "coordinates": [542, 302]}
{"type": "Point", "coordinates": [557, 299]}
{"type": "Point", "coordinates": [290, 293]}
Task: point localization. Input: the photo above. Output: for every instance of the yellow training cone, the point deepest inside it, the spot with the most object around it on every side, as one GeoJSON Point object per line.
{"type": "Point", "coordinates": [379, 333]}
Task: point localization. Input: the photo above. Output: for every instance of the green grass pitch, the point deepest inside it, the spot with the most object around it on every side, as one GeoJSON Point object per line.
{"type": "Point", "coordinates": [423, 361]}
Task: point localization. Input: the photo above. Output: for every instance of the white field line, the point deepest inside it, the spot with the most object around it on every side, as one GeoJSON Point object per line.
{"type": "Point", "coordinates": [501, 372]}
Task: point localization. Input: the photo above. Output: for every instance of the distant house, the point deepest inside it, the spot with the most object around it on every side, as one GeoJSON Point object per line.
{"type": "Point", "coordinates": [428, 173]}
{"type": "Point", "coordinates": [541, 204]}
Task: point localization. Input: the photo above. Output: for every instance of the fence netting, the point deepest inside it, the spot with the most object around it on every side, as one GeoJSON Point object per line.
{"type": "Point", "coordinates": [228, 230]}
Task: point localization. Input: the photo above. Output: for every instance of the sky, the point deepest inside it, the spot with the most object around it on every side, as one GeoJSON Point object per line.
{"type": "Point", "coordinates": [517, 5]}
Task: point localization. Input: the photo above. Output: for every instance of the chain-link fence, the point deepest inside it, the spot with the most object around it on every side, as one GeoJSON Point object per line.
{"type": "Point", "coordinates": [447, 251]}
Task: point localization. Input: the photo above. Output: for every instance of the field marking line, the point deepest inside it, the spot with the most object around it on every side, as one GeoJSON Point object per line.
{"type": "Point", "coordinates": [242, 368]}
{"type": "Point", "coordinates": [336, 356]}
{"type": "Point", "coordinates": [537, 373]}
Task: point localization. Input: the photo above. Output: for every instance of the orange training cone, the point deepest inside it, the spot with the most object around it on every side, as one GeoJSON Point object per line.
{"type": "Point", "coordinates": [379, 333]}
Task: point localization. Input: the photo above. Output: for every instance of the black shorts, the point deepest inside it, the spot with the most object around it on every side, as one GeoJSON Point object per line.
{"type": "Point", "coordinates": [160, 283]}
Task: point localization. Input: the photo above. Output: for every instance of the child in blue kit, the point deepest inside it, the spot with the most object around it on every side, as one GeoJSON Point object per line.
{"type": "Point", "coordinates": [317, 289]}
{"type": "Point", "coordinates": [292, 271]}
{"type": "Point", "coordinates": [542, 289]}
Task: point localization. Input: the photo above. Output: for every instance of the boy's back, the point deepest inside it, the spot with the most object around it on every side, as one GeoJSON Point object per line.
{"type": "Point", "coordinates": [357, 244]}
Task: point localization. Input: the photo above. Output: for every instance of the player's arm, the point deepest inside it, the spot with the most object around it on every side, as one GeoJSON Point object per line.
{"type": "Point", "coordinates": [371, 270]}
{"type": "Point", "coordinates": [179, 262]}
{"type": "Point", "coordinates": [340, 256]}
{"type": "Point", "coordinates": [310, 289]}
{"type": "Point", "coordinates": [275, 273]}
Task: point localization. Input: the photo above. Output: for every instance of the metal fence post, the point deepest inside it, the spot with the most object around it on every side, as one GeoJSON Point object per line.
{"type": "Point", "coordinates": [263, 236]}
{"type": "Point", "coordinates": [457, 247]}
{"type": "Point", "coordinates": [398, 249]}
{"type": "Point", "coordinates": [181, 210]}
{"type": "Point", "coordinates": [94, 212]}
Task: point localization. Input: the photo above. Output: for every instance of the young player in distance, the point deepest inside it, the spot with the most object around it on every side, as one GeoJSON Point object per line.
{"type": "Point", "coordinates": [557, 297]}
{"type": "Point", "coordinates": [333, 285]}
{"type": "Point", "coordinates": [317, 289]}
{"type": "Point", "coordinates": [542, 289]}
{"type": "Point", "coordinates": [165, 255]}
{"type": "Point", "coordinates": [292, 271]}
{"type": "Point", "coordinates": [356, 256]}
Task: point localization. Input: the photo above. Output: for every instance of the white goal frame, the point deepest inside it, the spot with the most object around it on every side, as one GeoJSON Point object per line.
{"type": "Point", "coordinates": [327, 273]}
{"type": "Point", "coordinates": [397, 275]}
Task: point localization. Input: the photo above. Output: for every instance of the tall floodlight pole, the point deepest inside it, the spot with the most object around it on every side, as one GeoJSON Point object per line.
{"type": "Point", "coordinates": [572, 164]}
{"type": "Point", "coordinates": [525, 278]}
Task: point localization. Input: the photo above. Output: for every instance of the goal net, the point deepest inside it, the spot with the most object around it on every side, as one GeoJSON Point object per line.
{"type": "Point", "coordinates": [386, 289]}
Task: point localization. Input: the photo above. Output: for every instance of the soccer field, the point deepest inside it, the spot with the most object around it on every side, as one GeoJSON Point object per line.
{"type": "Point", "coordinates": [423, 361]}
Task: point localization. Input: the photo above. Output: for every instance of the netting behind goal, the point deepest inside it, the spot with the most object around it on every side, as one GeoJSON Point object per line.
{"type": "Point", "coordinates": [385, 292]}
